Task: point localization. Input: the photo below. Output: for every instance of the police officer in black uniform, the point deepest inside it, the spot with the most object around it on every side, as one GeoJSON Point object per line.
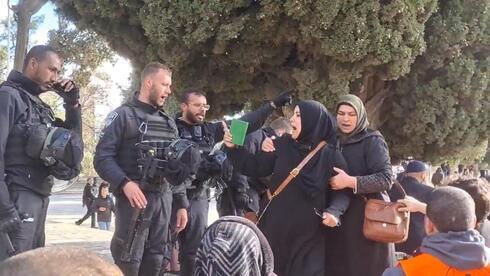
{"type": "Point", "coordinates": [142, 121]}
{"type": "Point", "coordinates": [32, 145]}
{"type": "Point", "coordinates": [192, 126]}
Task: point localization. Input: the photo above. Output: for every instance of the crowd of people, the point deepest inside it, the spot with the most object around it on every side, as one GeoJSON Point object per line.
{"type": "Point", "coordinates": [292, 197]}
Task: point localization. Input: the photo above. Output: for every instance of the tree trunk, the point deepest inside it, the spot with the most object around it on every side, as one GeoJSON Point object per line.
{"type": "Point", "coordinates": [24, 11]}
{"type": "Point", "coordinates": [374, 94]}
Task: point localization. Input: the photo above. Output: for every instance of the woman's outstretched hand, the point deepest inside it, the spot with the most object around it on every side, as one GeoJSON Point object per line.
{"type": "Point", "coordinates": [412, 205]}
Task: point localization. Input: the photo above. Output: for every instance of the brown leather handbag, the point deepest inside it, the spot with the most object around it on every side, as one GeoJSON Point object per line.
{"type": "Point", "coordinates": [384, 223]}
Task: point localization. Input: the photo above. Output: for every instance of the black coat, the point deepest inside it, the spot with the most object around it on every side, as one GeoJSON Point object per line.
{"type": "Point", "coordinates": [416, 232]}
{"type": "Point", "coordinates": [258, 185]}
{"type": "Point", "coordinates": [349, 253]}
{"type": "Point", "coordinates": [88, 197]}
{"type": "Point", "coordinates": [14, 110]}
{"type": "Point", "coordinates": [294, 231]}
{"type": "Point", "coordinates": [106, 203]}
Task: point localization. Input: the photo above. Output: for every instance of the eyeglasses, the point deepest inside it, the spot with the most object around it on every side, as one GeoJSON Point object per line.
{"type": "Point", "coordinates": [199, 105]}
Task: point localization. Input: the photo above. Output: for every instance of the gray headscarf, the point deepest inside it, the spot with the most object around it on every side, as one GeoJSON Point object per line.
{"type": "Point", "coordinates": [234, 246]}
{"type": "Point", "coordinates": [362, 120]}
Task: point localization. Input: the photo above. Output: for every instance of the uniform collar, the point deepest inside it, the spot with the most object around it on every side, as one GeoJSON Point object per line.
{"type": "Point", "coordinates": [27, 84]}
{"type": "Point", "coordinates": [148, 108]}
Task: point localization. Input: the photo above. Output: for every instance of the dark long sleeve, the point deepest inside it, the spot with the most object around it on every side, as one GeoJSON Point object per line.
{"type": "Point", "coordinates": [255, 121]}
{"type": "Point", "coordinates": [73, 118]}
{"type": "Point", "coordinates": [258, 165]}
{"type": "Point", "coordinates": [380, 175]}
{"type": "Point", "coordinates": [239, 182]}
{"type": "Point", "coordinates": [179, 195]}
{"type": "Point", "coordinates": [105, 163]}
{"type": "Point", "coordinates": [257, 118]}
{"type": "Point", "coordinates": [340, 199]}
{"type": "Point", "coordinates": [8, 110]}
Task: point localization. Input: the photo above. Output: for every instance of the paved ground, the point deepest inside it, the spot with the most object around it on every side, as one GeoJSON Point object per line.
{"type": "Point", "coordinates": [65, 209]}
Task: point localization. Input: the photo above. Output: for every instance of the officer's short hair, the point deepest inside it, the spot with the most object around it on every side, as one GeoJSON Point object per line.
{"type": "Point", "coordinates": [38, 52]}
{"type": "Point", "coordinates": [186, 94]}
{"type": "Point", "coordinates": [281, 123]}
{"type": "Point", "coordinates": [451, 209]}
{"type": "Point", "coordinates": [478, 190]}
{"type": "Point", "coordinates": [58, 260]}
{"type": "Point", "coordinates": [152, 68]}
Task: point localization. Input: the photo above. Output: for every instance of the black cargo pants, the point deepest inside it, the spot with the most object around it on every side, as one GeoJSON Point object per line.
{"type": "Point", "coordinates": [150, 248]}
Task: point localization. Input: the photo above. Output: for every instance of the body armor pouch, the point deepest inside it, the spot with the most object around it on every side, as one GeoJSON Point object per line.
{"type": "Point", "coordinates": [59, 149]}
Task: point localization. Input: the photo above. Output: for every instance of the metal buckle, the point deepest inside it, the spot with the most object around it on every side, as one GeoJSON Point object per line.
{"type": "Point", "coordinates": [294, 172]}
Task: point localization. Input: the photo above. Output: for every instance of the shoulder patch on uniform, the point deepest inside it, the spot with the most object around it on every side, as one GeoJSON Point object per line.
{"type": "Point", "coordinates": [110, 118]}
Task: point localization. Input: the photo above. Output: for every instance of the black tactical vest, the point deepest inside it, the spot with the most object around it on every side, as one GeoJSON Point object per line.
{"type": "Point", "coordinates": [198, 134]}
{"type": "Point", "coordinates": [142, 126]}
{"type": "Point", "coordinates": [36, 113]}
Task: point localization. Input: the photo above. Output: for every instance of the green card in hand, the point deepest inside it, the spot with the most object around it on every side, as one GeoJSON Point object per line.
{"type": "Point", "coordinates": [238, 131]}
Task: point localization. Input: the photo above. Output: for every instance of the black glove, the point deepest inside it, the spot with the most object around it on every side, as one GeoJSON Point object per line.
{"type": "Point", "coordinates": [241, 200]}
{"type": "Point", "coordinates": [71, 97]}
{"type": "Point", "coordinates": [10, 222]}
{"type": "Point", "coordinates": [283, 99]}
{"type": "Point", "coordinates": [176, 172]}
{"type": "Point", "coordinates": [207, 169]}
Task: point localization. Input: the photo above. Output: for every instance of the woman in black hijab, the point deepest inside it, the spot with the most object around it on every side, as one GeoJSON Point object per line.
{"type": "Point", "coordinates": [370, 176]}
{"type": "Point", "coordinates": [290, 223]}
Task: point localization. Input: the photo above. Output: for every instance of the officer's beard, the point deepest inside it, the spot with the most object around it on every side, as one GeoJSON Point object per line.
{"type": "Point", "coordinates": [155, 98]}
{"type": "Point", "coordinates": [193, 119]}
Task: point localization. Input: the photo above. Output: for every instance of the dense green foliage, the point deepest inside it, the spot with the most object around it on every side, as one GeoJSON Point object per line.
{"type": "Point", "coordinates": [421, 66]}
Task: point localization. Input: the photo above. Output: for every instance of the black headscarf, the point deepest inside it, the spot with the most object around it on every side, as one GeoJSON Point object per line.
{"type": "Point", "coordinates": [317, 124]}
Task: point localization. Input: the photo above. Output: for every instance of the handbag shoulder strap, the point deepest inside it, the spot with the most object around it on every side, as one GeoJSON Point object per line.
{"type": "Point", "coordinates": [294, 172]}
{"type": "Point", "coordinates": [400, 187]}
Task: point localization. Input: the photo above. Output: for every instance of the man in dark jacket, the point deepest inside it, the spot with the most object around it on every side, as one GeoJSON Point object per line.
{"type": "Point", "coordinates": [134, 132]}
{"type": "Point", "coordinates": [87, 200]}
{"type": "Point", "coordinates": [452, 245]}
{"type": "Point", "coordinates": [412, 181]}
{"type": "Point", "coordinates": [26, 169]}
{"type": "Point", "coordinates": [192, 126]}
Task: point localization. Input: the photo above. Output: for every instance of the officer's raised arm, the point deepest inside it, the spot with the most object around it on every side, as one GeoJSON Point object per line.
{"type": "Point", "coordinates": [257, 118]}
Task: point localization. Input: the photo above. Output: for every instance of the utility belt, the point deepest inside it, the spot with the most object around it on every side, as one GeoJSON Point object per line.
{"type": "Point", "coordinates": [157, 185]}
{"type": "Point", "coordinates": [198, 192]}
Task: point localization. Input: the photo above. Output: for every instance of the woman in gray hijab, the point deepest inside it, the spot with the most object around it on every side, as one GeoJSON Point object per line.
{"type": "Point", "coordinates": [234, 246]}
{"type": "Point", "coordinates": [370, 176]}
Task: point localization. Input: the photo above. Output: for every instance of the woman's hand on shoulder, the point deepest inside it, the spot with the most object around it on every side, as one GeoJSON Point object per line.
{"type": "Point", "coordinates": [268, 144]}
{"type": "Point", "coordinates": [342, 180]}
